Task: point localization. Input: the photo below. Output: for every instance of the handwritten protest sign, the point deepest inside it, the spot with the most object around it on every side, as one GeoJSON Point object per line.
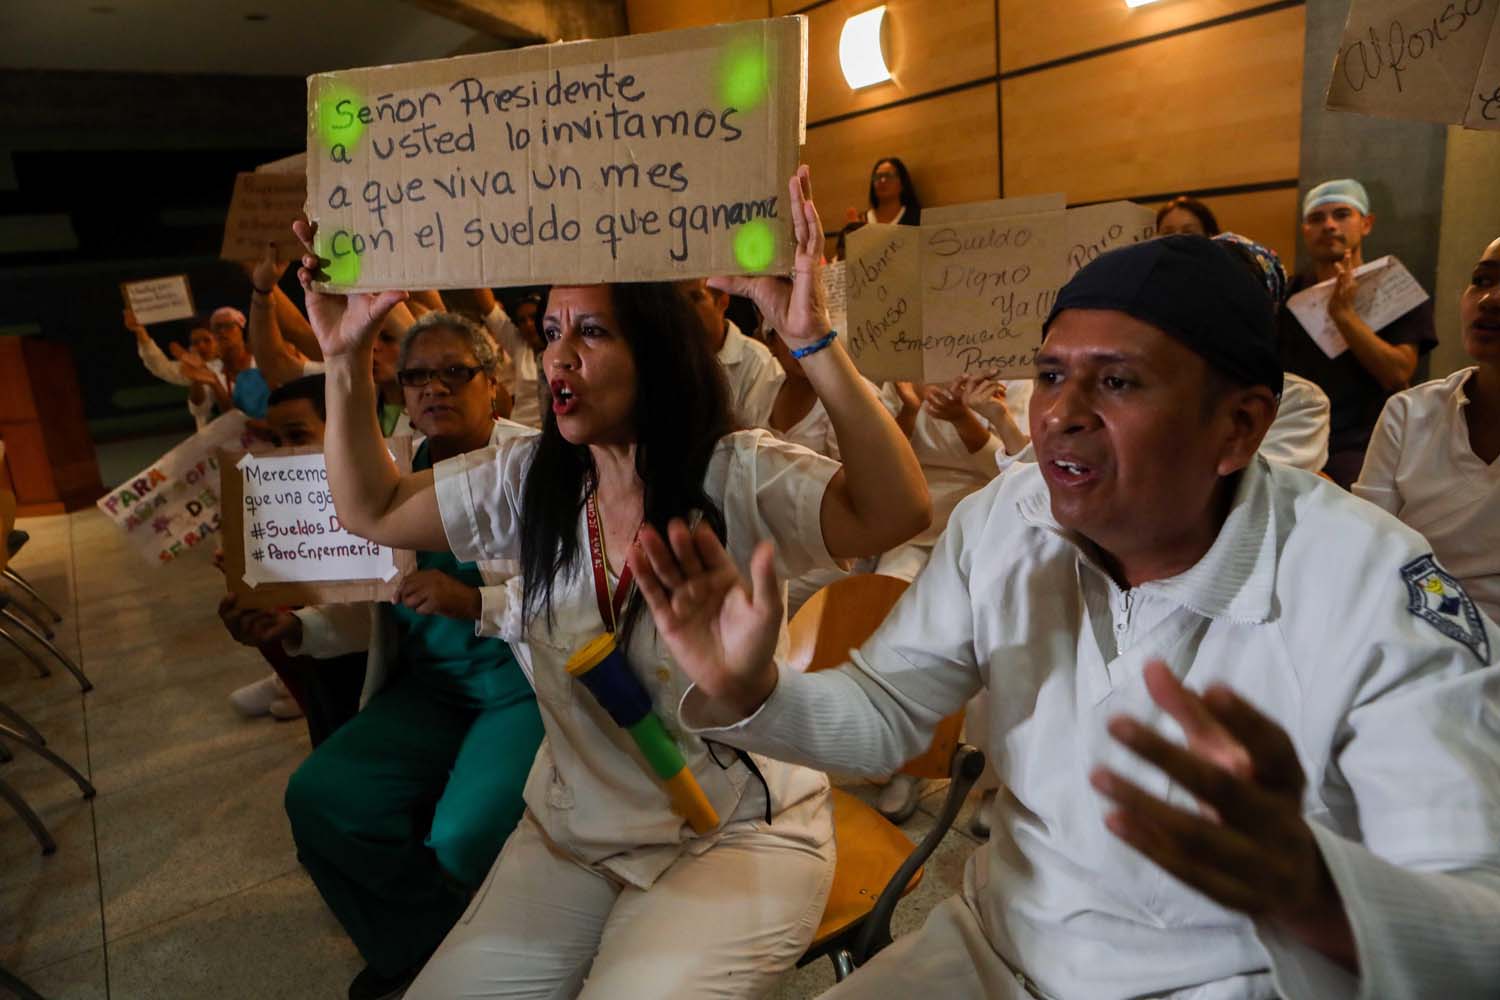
{"type": "Point", "coordinates": [1433, 60]}
{"type": "Point", "coordinates": [1484, 109]}
{"type": "Point", "coordinates": [1096, 229]}
{"type": "Point", "coordinates": [1386, 292]}
{"type": "Point", "coordinates": [647, 157]}
{"type": "Point", "coordinates": [969, 292]}
{"type": "Point", "coordinates": [261, 211]}
{"type": "Point", "coordinates": [159, 299]}
{"type": "Point", "coordinates": [283, 541]}
{"type": "Point", "coordinates": [174, 506]}
{"type": "Point", "coordinates": [834, 294]}
{"type": "Point", "coordinates": [997, 208]}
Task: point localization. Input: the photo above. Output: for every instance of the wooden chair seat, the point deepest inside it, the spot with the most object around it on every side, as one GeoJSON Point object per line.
{"type": "Point", "coordinates": [870, 849]}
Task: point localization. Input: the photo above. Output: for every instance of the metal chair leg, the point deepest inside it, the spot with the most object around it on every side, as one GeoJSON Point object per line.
{"type": "Point", "coordinates": [33, 617]}
{"type": "Point", "coordinates": [23, 724]}
{"type": "Point", "coordinates": [20, 581]}
{"type": "Point", "coordinates": [41, 667]}
{"type": "Point", "coordinates": [30, 818]}
{"type": "Point", "coordinates": [62, 657]}
{"type": "Point", "coordinates": [84, 785]}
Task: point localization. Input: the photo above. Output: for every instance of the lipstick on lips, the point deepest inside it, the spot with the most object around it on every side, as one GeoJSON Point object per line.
{"type": "Point", "coordinates": [564, 399]}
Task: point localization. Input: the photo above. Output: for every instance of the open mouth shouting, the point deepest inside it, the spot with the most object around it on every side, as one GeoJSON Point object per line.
{"type": "Point", "coordinates": [564, 398]}
{"type": "Point", "coordinates": [1069, 471]}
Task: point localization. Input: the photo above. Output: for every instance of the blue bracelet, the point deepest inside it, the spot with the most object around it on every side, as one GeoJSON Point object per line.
{"type": "Point", "coordinates": [815, 346]}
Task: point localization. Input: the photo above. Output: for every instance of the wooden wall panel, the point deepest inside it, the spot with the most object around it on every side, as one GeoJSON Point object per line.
{"type": "Point", "coordinates": [1268, 217]}
{"type": "Point", "coordinates": [644, 16]}
{"type": "Point", "coordinates": [1213, 108]}
{"type": "Point", "coordinates": [779, 7]}
{"type": "Point", "coordinates": [924, 53]}
{"type": "Point", "coordinates": [1036, 31]}
{"type": "Point", "coordinates": [923, 135]}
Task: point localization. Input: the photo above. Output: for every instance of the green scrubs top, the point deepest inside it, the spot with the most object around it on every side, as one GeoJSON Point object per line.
{"type": "Point", "coordinates": [444, 653]}
{"type": "Point", "coordinates": [390, 416]}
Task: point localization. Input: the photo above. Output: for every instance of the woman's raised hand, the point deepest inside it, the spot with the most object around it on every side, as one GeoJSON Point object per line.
{"type": "Point", "coordinates": [721, 634]}
{"type": "Point", "coordinates": [343, 324]}
{"type": "Point", "coordinates": [796, 309]}
{"type": "Point", "coordinates": [267, 271]}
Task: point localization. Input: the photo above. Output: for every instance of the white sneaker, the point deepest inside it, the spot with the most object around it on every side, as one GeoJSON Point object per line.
{"type": "Point", "coordinates": [255, 699]}
{"type": "Point", "coordinates": [898, 800]}
{"type": "Point", "coordinates": [979, 823]}
{"type": "Point", "coordinates": [285, 709]}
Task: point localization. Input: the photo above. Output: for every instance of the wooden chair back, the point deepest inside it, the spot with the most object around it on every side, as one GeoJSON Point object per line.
{"type": "Point", "coordinates": [839, 618]}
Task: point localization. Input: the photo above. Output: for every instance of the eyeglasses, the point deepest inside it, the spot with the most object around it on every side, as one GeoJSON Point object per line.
{"type": "Point", "coordinates": [885, 175]}
{"type": "Point", "coordinates": [452, 376]}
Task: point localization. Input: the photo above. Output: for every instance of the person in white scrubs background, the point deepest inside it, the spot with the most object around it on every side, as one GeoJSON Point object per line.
{"type": "Point", "coordinates": [1434, 460]}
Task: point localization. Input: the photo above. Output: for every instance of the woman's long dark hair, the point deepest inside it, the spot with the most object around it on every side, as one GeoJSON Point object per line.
{"type": "Point", "coordinates": [682, 409]}
{"type": "Point", "coordinates": [909, 199]}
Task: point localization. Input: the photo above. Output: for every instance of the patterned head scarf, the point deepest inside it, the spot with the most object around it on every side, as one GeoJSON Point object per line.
{"type": "Point", "coordinates": [1269, 261]}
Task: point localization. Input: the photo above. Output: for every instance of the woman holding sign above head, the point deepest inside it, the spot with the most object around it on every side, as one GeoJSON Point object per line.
{"type": "Point", "coordinates": [399, 814]}
{"type": "Point", "coordinates": [648, 863]}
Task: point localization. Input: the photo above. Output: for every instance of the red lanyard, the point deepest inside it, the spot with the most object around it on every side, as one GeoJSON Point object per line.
{"type": "Point", "coordinates": [609, 609]}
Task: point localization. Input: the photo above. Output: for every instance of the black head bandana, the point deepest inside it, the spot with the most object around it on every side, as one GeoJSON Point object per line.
{"type": "Point", "coordinates": [1193, 290]}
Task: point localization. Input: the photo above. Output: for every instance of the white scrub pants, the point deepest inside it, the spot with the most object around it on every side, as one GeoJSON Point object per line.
{"type": "Point", "coordinates": [725, 923]}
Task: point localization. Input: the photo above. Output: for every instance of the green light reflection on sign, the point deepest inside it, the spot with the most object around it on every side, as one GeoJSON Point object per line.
{"type": "Point", "coordinates": [342, 269]}
{"type": "Point", "coordinates": [744, 73]}
{"type": "Point", "coordinates": [754, 245]}
{"type": "Point", "coordinates": [339, 127]}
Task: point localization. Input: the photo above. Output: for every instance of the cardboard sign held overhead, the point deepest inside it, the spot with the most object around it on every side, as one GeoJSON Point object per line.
{"type": "Point", "coordinates": [174, 505]}
{"type": "Point", "coordinates": [968, 294]}
{"type": "Point", "coordinates": [1432, 60]}
{"type": "Point", "coordinates": [283, 542]}
{"type": "Point", "coordinates": [647, 157]}
{"type": "Point", "coordinates": [158, 300]}
{"type": "Point", "coordinates": [261, 211]}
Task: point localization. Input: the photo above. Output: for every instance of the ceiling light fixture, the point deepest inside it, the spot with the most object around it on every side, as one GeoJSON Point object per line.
{"type": "Point", "coordinates": [860, 52]}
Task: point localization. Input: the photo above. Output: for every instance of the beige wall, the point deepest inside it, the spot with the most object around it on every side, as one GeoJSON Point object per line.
{"type": "Point", "coordinates": [1471, 219]}
{"type": "Point", "coordinates": [1216, 107]}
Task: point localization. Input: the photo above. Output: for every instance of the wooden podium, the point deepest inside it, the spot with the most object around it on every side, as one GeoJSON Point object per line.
{"type": "Point", "coordinates": [49, 456]}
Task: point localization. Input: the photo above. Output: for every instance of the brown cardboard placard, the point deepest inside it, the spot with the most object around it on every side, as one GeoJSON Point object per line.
{"type": "Point", "coordinates": [1484, 108]}
{"type": "Point", "coordinates": [159, 300]}
{"type": "Point", "coordinates": [998, 208]}
{"type": "Point", "coordinates": [645, 157]}
{"type": "Point", "coordinates": [968, 292]}
{"type": "Point", "coordinates": [1095, 229]}
{"type": "Point", "coordinates": [284, 594]}
{"type": "Point", "coordinates": [262, 209]}
{"type": "Point", "coordinates": [173, 505]}
{"type": "Point", "coordinates": [1432, 60]}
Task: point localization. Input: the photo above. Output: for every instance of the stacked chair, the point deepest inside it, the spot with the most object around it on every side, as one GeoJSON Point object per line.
{"type": "Point", "coordinates": [26, 622]}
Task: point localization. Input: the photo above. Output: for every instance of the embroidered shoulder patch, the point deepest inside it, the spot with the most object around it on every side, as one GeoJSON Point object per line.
{"type": "Point", "coordinates": [1439, 600]}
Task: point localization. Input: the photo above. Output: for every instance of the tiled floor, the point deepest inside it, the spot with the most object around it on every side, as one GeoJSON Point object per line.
{"type": "Point", "coordinates": [179, 880]}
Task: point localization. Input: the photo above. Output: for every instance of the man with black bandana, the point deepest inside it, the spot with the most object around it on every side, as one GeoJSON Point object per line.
{"type": "Point", "coordinates": [1244, 721]}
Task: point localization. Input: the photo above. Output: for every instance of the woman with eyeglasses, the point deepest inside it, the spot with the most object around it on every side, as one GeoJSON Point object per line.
{"type": "Point", "coordinates": [400, 813]}
{"type": "Point", "coordinates": [893, 199]}
{"type": "Point", "coordinates": [626, 879]}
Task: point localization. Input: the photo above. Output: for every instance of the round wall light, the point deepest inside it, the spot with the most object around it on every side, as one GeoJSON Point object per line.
{"type": "Point", "coordinates": [860, 53]}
